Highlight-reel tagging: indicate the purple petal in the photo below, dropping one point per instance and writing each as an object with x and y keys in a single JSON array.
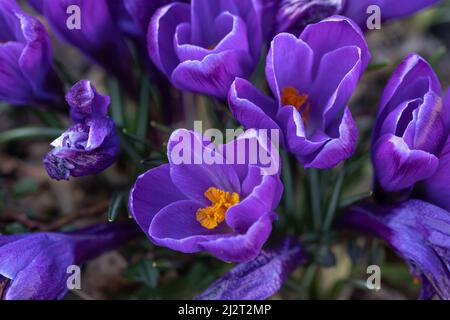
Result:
[
  {"x": 85, "y": 101},
  {"x": 91, "y": 144},
  {"x": 418, "y": 231},
  {"x": 214, "y": 74},
  {"x": 244, "y": 282},
  {"x": 14, "y": 88},
  {"x": 289, "y": 63},
  {"x": 251, "y": 107},
  {"x": 261, "y": 199},
  {"x": 336, "y": 79},
  {"x": 428, "y": 125},
  {"x": 294, "y": 15},
  {"x": 204, "y": 13},
  {"x": 176, "y": 227},
  {"x": 339, "y": 148},
  {"x": 333, "y": 33},
  {"x": 185, "y": 167},
  {"x": 296, "y": 136},
  {"x": 147, "y": 197},
  {"x": 161, "y": 30},
  {"x": 26, "y": 58},
  {"x": 398, "y": 167},
  {"x": 98, "y": 37},
  {"x": 412, "y": 79},
  {"x": 36, "y": 264},
  {"x": 242, "y": 247},
  {"x": 436, "y": 189}
]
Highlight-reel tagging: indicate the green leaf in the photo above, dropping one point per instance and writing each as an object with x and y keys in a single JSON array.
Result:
[
  {"x": 378, "y": 65},
  {"x": 47, "y": 118},
  {"x": 145, "y": 271},
  {"x": 29, "y": 133},
  {"x": 117, "y": 203},
  {"x": 325, "y": 257},
  {"x": 315, "y": 193},
  {"x": 334, "y": 201},
  {"x": 161, "y": 127},
  {"x": 24, "y": 187},
  {"x": 288, "y": 183},
  {"x": 437, "y": 56},
  {"x": 130, "y": 150},
  {"x": 135, "y": 138},
  {"x": 143, "y": 108},
  {"x": 354, "y": 198},
  {"x": 117, "y": 112},
  {"x": 64, "y": 73}
]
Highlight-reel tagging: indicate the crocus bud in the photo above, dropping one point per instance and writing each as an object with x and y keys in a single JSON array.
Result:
[{"x": 90, "y": 144}]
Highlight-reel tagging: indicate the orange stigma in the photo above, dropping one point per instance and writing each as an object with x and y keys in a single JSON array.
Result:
[
  {"x": 211, "y": 216},
  {"x": 211, "y": 47},
  {"x": 292, "y": 97},
  {"x": 416, "y": 281}
]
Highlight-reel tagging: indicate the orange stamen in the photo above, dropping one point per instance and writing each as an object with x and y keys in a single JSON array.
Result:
[
  {"x": 211, "y": 216},
  {"x": 292, "y": 97}
]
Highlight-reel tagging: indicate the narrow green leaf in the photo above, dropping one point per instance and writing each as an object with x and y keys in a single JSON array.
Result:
[
  {"x": 144, "y": 271},
  {"x": 315, "y": 193},
  {"x": 130, "y": 150},
  {"x": 354, "y": 198},
  {"x": 287, "y": 182},
  {"x": 47, "y": 118},
  {"x": 437, "y": 56},
  {"x": 378, "y": 65},
  {"x": 161, "y": 127},
  {"x": 117, "y": 112},
  {"x": 334, "y": 201},
  {"x": 143, "y": 108},
  {"x": 116, "y": 205},
  {"x": 135, "y": 137},
  {"x": 29, "y": 133},
  {"x": 24, "y": 186},
  {"x": 63, "y": 72}
]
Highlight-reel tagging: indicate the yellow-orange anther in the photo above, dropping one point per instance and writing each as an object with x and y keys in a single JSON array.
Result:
[
  {"x": 211, "y": 216},
  {"x": 292, "y": 97}
]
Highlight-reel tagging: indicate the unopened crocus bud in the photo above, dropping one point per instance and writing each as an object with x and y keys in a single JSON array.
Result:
[{"x": 90, "y": 144}]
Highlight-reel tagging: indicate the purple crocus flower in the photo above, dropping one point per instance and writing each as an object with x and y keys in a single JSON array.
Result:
[
  {"x": 244, "y": 282},
  {"x": 97, "y": 36},
  {"x": 220, "y": 207},
  {"x": 418, "y": 231},
  {"x": 90, "y": 145},
  {"x": 133, "y": 16},
  {"x": 26, "y": 58},
  {"x": 312, "y": 78},
  {"x": 294, "y": 15},
  {"x": 411, "y": 136},
  {"x": 203, "y": 46},
  {"x": 34, "y": 266}
]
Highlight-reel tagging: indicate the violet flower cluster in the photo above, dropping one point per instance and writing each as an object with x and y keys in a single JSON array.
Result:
[{"x": 410, "y": 160}]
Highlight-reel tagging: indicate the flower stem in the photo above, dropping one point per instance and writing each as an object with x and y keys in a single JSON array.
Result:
[{"x": 314, "y": 190}]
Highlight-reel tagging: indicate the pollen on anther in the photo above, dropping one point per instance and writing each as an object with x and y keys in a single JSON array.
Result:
[{"x": 211, "y": 216}]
